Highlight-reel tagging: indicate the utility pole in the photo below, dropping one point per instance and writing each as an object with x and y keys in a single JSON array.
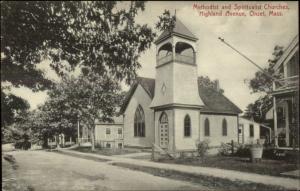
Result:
[{"x": 78, "y": 130}]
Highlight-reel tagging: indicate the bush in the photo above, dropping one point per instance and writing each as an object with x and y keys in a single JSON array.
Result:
[
  {"x": 269, "y": 154},
  {"x": 24, "y": 144},
  {"x": 202, "y": 148},
  {"x": 225, "y": 149},
  {"x": 292, "y": 156},
  {"x": 288, "y": 156},
  {"x": 243, "y": 151}
]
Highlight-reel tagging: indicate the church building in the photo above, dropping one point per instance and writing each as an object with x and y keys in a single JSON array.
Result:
[{"x": 175, "y": 110}]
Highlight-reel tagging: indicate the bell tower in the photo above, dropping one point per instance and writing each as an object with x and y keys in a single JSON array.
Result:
[{"x": 176, "y": 83}]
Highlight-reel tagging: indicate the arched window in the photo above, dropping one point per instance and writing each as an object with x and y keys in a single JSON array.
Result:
[
  {"x": 224, "y": 127},
  {"x": 206, "y": 127},
  {"x": 164, "y": 54},
  {"x": 139, "y": 122},
  {"x": 184, "y": 53},
  {"x": 187, "y": 126},
  {"x": 163, "y": 118}
]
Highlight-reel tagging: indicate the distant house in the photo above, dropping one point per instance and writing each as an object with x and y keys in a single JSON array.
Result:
[
  {"x": 109, "y": 135},
  {"x": 175, "y": 110},
  {"x": 285, "y": 110},
  {"x": 249, "y": 131}
]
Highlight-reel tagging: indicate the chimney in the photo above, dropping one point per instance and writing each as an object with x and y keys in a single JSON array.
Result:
[{"x": 217, "y": 85}]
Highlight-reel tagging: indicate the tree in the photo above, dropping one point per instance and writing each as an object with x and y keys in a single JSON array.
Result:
[
  {"x": 95, "y": 36},
  {"x": 90, "y": 34},
  {"x": 261, "y": 82},
  {"x": 166, "y": 21},
  {"x": 258, "y": 109},
  {"x": 88, "y": 97},
  {"x": 207, "y": 82},
  {"x": 11, "y": 106},
  {"x": 100, "y": 100}
]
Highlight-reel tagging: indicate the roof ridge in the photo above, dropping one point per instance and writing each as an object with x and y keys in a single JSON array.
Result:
[{"x": 214, "y": 101}]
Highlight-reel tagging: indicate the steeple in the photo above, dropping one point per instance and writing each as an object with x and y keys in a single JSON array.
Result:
[{"x": 179, "y": 30}]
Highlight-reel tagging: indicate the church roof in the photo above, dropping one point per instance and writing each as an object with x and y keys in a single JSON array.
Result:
[
  {"x": 214, "y": 101},
  {"x": 180, "y": 30}
]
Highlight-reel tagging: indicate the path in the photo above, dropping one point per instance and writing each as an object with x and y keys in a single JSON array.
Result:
[
  {"x": 44, "y": 170},
  {"x": 288, "y": 183}
]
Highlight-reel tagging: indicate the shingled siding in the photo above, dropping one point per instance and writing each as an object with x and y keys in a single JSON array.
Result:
[
  {"x": 140, "y": 97},
  {"x": 215, "y": 122}
]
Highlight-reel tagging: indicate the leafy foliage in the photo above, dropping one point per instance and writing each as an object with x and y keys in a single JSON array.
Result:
[
  {"x": 261, "y": 82},
  {"x": 93, "y": 34},
  {"x": 11, "y": 106},
  {"x": 85, "y": 98},
  {"x": 202, "y": 148},
  {"x": 258, "y": 109},
  {"x": 166, "y": 21},
  {"x": 207, "y": 82}
]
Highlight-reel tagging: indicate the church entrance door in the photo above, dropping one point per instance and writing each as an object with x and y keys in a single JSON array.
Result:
[{"x": 163, "y": 131}]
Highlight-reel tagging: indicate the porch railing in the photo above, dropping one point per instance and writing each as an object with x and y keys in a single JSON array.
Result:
[
  {"x": 185, "y": 59},
  {"x": 165, "y": 59},
  {"x": 178, "y": 58},
  {"x": 286, "y": 83}
]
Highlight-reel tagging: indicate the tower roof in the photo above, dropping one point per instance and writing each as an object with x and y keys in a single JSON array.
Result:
[{"x": 179, "y": 30}]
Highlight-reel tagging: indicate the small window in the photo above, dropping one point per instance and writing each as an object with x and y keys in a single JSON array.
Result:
[
  {"x": 120, "y": 131},
  {"x": 187, "y": 126},
  {"x": 107, "y": 131},
  {"x": 206, "y": 127},
  {"x": 224, "y": 127},
  {"x": 120, "y": 145},
  {"x": 251, "y": 130},
  {"x": 107, "y": 145}
]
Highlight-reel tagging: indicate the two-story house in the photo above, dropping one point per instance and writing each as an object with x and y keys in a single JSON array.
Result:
[{"x": 285, "y": 110}]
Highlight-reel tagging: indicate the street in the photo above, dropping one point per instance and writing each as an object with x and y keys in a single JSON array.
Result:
[{"x": 44, "y": 170}]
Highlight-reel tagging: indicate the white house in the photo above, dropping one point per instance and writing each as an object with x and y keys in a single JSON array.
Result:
[
  {"x": 175, "y": 110},
  {"x": 109, "y": 135},
  {"x": 249, "y": 131}
]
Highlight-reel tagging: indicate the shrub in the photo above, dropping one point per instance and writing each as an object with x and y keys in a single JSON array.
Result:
[
  {"x": 269, "y": 154},
  {"x": 243, "y": 151},
  {"x": 292, "y": 156},
  {"x": 224, "y": 149},
  {"x": 202, "y": 148}
]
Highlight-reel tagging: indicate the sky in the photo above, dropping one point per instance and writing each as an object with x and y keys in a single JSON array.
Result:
[{"x": 255, "y": 36}]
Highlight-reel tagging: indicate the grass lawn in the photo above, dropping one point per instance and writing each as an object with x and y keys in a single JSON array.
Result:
[
  {"x": 213, "y": 183},
  {"x": 107, "y": 152},
  {"x": 267, "y": 167}
]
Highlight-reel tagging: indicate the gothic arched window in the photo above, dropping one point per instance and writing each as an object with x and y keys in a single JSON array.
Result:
[
  {"x": 187, "y": 126},
  {"x": 139, "y": 122},
  {"x": 224, "y": 127},
  {"x": 206, "y": 127}
]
